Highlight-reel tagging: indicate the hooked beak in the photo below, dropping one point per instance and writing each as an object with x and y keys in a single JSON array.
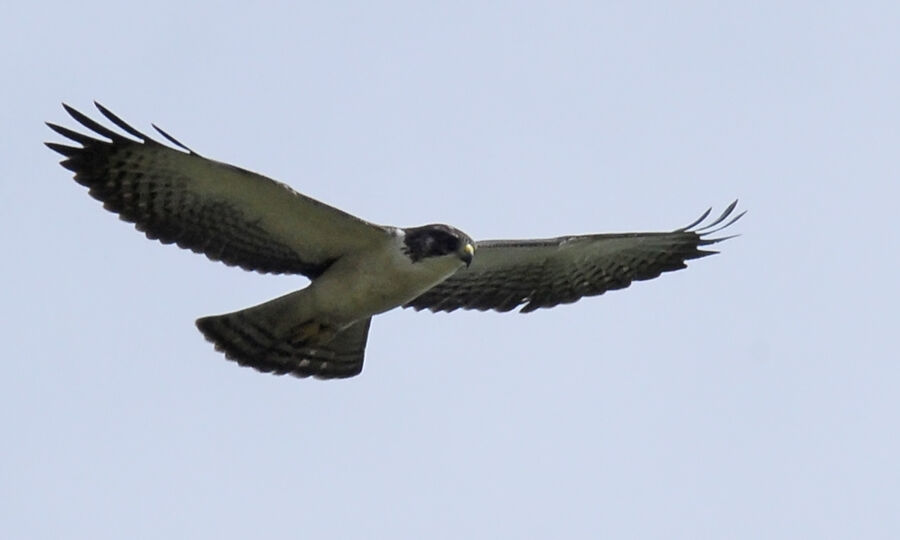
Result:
[{"x": 468, "y": 253}]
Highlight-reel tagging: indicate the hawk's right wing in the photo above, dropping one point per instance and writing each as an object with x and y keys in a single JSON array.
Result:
[
  {"x": 230, "y": 214},
  {"x": 544, "y": 273}
]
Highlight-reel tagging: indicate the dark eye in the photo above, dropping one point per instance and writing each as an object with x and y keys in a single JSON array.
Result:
[
  {"x": 440, "y": 242},
  {"x": 449, "y": 243}
]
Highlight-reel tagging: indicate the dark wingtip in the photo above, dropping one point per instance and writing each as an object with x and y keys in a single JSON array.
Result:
[
  {"x": 696, "y": 221},
  {"x": 80, "y": 138},
  {"x": 173, "y": 140},
  {"x": 709, "y": 241},
  {"x": 92, "y": 125},
  {"x": 108, "y": 133},
  {"x": 721, "y": 218},
  {"x": 67, "y": 151},
  {"x": 123, "y": 125},
  {"x": 720, "y": 223}
]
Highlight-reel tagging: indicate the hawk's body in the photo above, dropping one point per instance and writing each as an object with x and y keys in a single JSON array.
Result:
[{"x": 358, "y": 269}]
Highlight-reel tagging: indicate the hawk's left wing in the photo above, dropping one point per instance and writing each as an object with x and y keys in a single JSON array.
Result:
[
  {"x": 544, "y": 273},
  {"x": 225, "y": 212}
]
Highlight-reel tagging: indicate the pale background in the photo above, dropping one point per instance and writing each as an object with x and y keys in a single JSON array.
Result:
[{"x": 751, "y": 396}]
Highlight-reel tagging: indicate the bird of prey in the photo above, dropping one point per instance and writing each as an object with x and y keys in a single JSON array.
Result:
[{"x": 357, "y": 269}]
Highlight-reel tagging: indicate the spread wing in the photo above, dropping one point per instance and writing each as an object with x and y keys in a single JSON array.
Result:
[
  {"x": 227, "y": 213},
  {"x": 544, "y": 273}
]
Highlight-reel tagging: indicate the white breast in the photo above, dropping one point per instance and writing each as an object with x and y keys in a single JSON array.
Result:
[{"x": 377, "y": 280}]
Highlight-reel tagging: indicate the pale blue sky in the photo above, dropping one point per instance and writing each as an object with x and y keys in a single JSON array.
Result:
[{"x": 753, "y": 395}]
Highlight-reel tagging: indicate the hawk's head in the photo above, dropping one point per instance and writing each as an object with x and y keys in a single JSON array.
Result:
[{"x": 437, "y": 241}]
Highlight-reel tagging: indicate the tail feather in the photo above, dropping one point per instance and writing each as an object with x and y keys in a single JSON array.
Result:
[{"x": 247, "y": 340}]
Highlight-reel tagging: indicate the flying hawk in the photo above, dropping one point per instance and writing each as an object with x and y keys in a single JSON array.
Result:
[{"x": 357, "y": 269}]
